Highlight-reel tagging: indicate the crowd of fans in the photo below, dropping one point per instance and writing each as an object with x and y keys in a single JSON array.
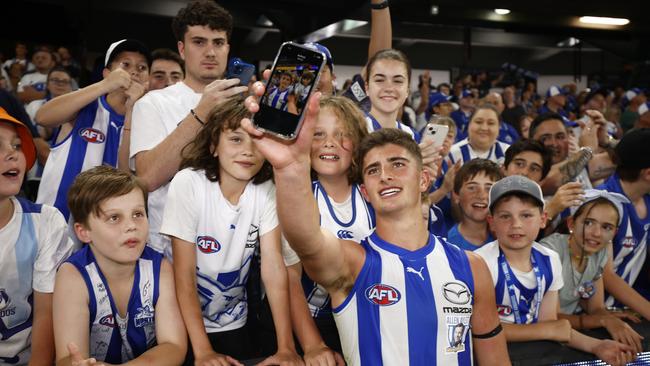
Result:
[{"x": 165, "y": 224}]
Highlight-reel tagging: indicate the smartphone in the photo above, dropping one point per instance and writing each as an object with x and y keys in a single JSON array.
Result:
[
  {"x": 436, "y": 133},
  {"x": 240, "y": 70},
  {"x": 279, "y": 113}
]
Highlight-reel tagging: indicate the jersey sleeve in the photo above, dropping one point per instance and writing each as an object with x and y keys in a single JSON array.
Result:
[
  {"x": 269, "y": 217},
  {"x": 556, "y": 267},
  {"x": 146, "y": 128},
  {"x": 288, "y": 254},
  {"x": 54, "y": 247},
  {"x": 180, "y": 218}
]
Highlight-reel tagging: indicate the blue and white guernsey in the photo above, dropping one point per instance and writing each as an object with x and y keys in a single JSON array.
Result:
[
  {"x": 353, "y": 220},
  {"x": 408, "y": 307},
  {"x": 278, "y": 99},
  {"x": 527, "y": 288},
  {"x": 114, "y": 339},
  {"x": 93, "y": 141},
  {"x": 630, "y": 243},
  {"x": 32, "y": 245},
  {"x": 373, "y": 125},
  {"x": 462, "y": 151}
]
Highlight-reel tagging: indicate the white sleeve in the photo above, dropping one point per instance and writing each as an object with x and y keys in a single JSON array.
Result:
[
  {"x": 556, "y": 267},
  {"x": 288, "y": 254},
  {"x": 269, "y": 218},
  {"x": 54, "y": 247},
  {"x": 21, "y": 84},
  {"x": 147, "y": 128},
  {"x": 180, "y": 218}
]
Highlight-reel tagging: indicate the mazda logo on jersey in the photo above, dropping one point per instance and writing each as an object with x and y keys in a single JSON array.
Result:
[
  {"x": 382, "y": 295},
  {"x": 456, "y": 293},
  {"x": 208, "y": 244},
  {"x": 92, "y": 135}
]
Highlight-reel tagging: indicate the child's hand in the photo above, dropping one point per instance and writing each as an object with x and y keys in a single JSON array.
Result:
[
  {"x": 614, "y": 353},
  {"x": 118, "y": 78},
  {"x": 78, "y": 360},
  {"x": 283, "y": 358},
  {"x": 216, "y": 359},
  {"x": 622, "y": 332},
  {"x": 323, "y": 355}
]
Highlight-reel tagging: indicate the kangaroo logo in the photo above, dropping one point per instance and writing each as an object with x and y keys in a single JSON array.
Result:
[{"x": 412, "y": 270}]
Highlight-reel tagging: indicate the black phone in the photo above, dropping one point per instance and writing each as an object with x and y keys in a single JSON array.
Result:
[
  {"x": 240, "y": 70},
  {"x": 280, "y": 113}
]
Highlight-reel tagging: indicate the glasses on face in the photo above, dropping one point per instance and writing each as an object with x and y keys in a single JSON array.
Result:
[
  {"x": 129, "y": 66},
  {"x": 61, "y": 82}
]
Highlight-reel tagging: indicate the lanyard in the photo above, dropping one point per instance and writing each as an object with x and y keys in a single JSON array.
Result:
[{"x": 514, "y": 301}]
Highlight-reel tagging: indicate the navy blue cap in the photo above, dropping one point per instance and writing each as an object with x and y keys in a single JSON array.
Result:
[{"x": 319, "y": 47}]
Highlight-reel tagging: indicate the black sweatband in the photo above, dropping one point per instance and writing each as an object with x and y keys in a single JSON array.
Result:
[
  {"x": 489, "y": 334},
  {"x": 382, "y": 5}
]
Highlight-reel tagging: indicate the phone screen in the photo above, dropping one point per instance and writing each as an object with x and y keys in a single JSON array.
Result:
[{"x": 295, "y": 73}]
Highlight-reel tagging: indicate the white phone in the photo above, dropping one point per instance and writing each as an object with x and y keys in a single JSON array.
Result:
[{"x": 436, "y": 133}]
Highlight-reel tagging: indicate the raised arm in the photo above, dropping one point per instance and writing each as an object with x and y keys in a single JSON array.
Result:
[
  {"x": 381, "y": 31},
  {"x": 326, "y": 259},
  {"x": 64, "y": 108},
  {"x": 489, "y": 345}
]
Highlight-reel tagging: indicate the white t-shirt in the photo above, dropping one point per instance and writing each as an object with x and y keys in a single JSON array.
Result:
[
  {"x": 32, "y": 246},
  {"x": 225, "y": 236},
  {"x": 551, "y": 270},
  {"x": 155, "y": 116},
  {"x": 35, "y": 79}
]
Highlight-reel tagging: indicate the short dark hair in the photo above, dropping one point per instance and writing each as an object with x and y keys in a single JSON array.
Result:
[
  {"x": 94, "y": 186},
  {"x": 202, "y": 12},
  {"x": 524, "y": 197},
  {"x": 541, "y": 119},
  {"x": 59, "y": 68},
  {"x": 384, "y": 137},
  {"x": 472, "y": 168},
  {"x": 167, "y": 54},
  {"x": 198, "y": 154},
  {"x": 389, "y": 54},
  {"x": 530, "y": 145}
]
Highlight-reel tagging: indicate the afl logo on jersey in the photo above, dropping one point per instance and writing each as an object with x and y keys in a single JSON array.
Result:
[
  {"x": 208, "y": 244},
  {"x": 504, "y": 310},
  {"x": 92, "y": 135},
  {"x": 108, "y": 320},
  {"x": 382, "y": 295},
  {"x": 345, "y": 234}
]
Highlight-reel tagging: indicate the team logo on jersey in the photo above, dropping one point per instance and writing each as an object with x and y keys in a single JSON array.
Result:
[
  {"x": 92, "y": 135},
  {"x": 5, "y": 304},
  {"x": 144, "y": 316},
  {"x": 208, "y": 244},
  {"x": 457, "y": 328},
  {"x": 345, "y": 234},
  {"x": 108, "y": 320},
  {"x": 628, "y": 242},
  {"x": 253, "y": 236},
  {"x": 383, "y": 295},
  {"x": 504, "y": 310},
  {"x": 456, "y": 293}
]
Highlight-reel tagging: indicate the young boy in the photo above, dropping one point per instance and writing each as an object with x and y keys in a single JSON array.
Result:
[
  {"x": 471, "y": 186},
  {"x": 90, "y": 120},
  {"x": 33, "y": 242},
  {"x": 527, "y": 276},
  {"x": 114, "y": 299}
]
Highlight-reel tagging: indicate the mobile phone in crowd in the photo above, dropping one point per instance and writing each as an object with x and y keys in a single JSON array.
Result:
[
  {"x": 280, "y": 113},
  {"x": 238, "y": 69},
  {"x": 435, "y": 133}
]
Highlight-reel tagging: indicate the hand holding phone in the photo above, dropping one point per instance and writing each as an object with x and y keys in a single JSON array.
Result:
[
  {"x": 278, "y": 114},
  {"x": 435, "y": 133},
  {"x": 238, "y": 69}
]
